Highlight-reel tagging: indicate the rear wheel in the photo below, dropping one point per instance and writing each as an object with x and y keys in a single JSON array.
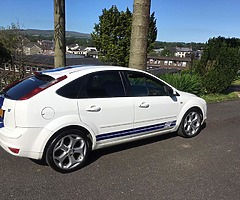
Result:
[
  {"x": 191, "y": 124},
  {"x": 68, "y": 151}
]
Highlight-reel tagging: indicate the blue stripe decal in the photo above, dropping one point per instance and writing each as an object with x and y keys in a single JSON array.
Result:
[
  {"x": 135, "y": 131},
  {"x": 1, "y": 118}
]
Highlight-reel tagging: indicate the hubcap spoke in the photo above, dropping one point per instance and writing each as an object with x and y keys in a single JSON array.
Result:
[
  {"x": 60, "y": 159},
  {"x": 62, "y": 146}
]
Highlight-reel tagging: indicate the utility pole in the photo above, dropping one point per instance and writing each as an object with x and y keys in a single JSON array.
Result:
[
  {"x": 139, "y": 34},
  {"x": 59, "y": 34}
]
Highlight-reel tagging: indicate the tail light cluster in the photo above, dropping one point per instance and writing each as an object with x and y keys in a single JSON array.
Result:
[{"x": 14, "y": 150}]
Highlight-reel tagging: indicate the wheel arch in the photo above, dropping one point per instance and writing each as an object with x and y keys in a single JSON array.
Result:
[
  {"x": 192, "y": 130},
  {"x": 49, "y": 132},
  {"x": 92, "y": 139},
  {"x": 187, "y": 108},
  {"x": 197, "y": 108}
]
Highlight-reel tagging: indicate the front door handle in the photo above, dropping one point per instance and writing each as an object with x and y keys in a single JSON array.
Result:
[
  {"x": 144, "y": 105},
  {"x": 93, "y": 108}
]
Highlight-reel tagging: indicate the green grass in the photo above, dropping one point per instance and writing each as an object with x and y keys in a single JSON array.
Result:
[
  {"x": 237, "y": 82},
  {"x": 220, "y": 97},
  {"x": 227, "y": 96}
]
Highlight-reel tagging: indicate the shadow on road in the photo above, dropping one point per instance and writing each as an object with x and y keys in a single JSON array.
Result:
[{"x": 95, "y": 155}]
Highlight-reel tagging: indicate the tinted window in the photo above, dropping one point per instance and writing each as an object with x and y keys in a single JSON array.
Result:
[
  {"x": 144, "y": 85},
  {"x": 103, "y": 84},
  {"x": 25, "y": 86},
  {"x": 72, "y": 89}
]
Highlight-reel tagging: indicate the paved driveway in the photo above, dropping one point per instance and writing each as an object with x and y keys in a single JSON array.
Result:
[{"x": 165, "y": 167}]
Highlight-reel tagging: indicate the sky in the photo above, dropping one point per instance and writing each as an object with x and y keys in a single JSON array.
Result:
[{"x": 177, "y": 21}]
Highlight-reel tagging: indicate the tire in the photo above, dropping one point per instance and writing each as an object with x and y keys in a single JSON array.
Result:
[
  {"x": 68, "y": 151},
  {"x": 191, "y": 124}
]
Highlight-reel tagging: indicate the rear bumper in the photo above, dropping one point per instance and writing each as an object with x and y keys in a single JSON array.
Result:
[{"x": 22, "y": 139}]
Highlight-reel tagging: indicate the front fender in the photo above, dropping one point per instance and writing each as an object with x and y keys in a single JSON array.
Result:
[{"x": 194, "y": 103}]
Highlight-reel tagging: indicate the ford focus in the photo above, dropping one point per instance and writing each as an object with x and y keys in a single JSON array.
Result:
[{"x": 61, "y": 115}]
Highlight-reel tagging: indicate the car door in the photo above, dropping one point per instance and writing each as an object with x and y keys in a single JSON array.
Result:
[
  {"x": 154, "y": 109},
  {"x": 103, "y": 106}
]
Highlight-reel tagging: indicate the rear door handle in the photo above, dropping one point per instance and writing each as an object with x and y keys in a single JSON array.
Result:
[
  {"x": 144, "y": 105},
  {"x": 93, "y": 108}
]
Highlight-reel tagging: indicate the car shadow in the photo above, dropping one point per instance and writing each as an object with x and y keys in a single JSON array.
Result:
[
  {"x": 39, "y": 162},
  {"x": 96, "y": 154}
]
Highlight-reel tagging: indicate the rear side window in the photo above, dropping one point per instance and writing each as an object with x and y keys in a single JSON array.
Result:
[
  {"x": 72, "y": 89},
  {"x": 25, "y": 86}
]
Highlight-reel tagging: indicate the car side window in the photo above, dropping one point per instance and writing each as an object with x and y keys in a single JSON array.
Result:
[
  {"x": 72, "y": 89},
  {"x": 103, "y": 84},
  {"x": 144, "y": 85}
]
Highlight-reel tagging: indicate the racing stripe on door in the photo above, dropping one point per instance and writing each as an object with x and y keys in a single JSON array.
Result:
[{"x": 137, "y": 131}]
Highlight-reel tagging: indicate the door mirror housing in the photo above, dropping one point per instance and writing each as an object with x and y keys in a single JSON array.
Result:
[{"x": 171, "y": 92}]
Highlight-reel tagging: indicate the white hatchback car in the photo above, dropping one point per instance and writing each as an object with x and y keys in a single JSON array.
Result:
[{"x": 60, "y": 115}]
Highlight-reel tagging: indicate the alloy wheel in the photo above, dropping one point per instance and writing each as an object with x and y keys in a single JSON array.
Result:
[{"x": 192, "y": 123}]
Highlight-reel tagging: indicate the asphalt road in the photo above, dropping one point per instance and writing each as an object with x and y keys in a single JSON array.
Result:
[{"x": 165, "y": 167}]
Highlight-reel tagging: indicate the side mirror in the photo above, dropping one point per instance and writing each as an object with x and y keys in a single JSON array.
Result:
[{"x": 171, "y": 92}]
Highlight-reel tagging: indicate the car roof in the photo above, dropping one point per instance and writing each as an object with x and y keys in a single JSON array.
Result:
[{"x": 61, "y": 71}]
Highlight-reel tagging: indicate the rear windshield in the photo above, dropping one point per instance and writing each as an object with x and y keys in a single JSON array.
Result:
[{"x": 25, "y": 86}]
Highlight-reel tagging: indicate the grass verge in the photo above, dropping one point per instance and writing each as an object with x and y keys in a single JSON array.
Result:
[
  {"x": 209, "y": 98},
  {"x": 237, "y": 82}
]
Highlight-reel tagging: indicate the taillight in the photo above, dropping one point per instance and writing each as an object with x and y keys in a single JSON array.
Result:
[
  {"x": 14, "y": 150},
  {"x": 43, "y": 87}
]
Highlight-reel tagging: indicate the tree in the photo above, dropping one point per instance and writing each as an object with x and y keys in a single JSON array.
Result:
[
  {"x": 5, "y": 55},
  {"x": 59, "y": 33},
  {"x": 111, "y": 36},
  {"x": 220, "y": 63},
  {"x": 13, "y": 41},
  {"x": 166, "y": 52},
  {"x": 139, "y": 34},
  {"x": 152, "y": 32}
]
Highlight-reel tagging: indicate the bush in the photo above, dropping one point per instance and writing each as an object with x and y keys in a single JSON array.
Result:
[
  {"x": 187, "y": 82},
  {"x": 219, "y": 64},
  {"x": 223, "y": 71}
]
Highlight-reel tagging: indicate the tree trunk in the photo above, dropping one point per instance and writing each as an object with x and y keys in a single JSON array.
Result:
[
  {"x": 59, "y": 34},
  {"x": 139, "y": 34}
]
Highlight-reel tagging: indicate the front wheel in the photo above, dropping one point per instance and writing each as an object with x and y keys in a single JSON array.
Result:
[
  {"x": 191, "y": 124},
  {"x": 68, "y": 151}
]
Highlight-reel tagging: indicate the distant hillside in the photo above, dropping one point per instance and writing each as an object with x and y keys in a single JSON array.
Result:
[{"x": 49, "y": 33}]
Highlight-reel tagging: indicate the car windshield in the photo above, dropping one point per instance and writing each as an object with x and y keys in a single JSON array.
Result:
[{"x": 23, "y": 87}]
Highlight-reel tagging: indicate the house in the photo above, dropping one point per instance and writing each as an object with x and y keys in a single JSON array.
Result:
[
  {"x": 168, "y": 62},
  {"x": 90, "y": 52},
  {"x": 74, "y": 49},
  {"x": 183, "y": 52},
  {"x": 32, "y": 48},
  {"x": 86, "y": 52},
  {"x": 46, "y": 43},
  {"x": 47, "y": 46},
  {"x": 158, "y": 50}
]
